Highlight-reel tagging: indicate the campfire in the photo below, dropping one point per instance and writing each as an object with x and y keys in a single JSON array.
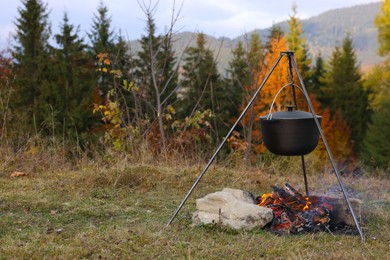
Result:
[
  {"x": 295, "y": 213},
  {"x": 284, "y": 211}
]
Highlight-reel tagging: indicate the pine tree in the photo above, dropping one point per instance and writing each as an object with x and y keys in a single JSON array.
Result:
[
  {"x": 201, "y": 84},
  {"x": 376, "y": 145},
  {"x": 343, "y": 90},
  {"x": 318, "y": 72},
  {"x": 73, "y": 81},
  {"x": 155, "y": 67},
  {"x": 239, "y": 77},
  {"x": 102, "y": 37},
  {"x": 155, "y": 73},
  {"x": 123, "y": 59},
  {"x": 199, "y": 73},
  {"x": 103, "y": 40},
  {"x": 297, "y": 43},
  {"x": 245, "y": 69},
  {"x": 31, "y": 53}
]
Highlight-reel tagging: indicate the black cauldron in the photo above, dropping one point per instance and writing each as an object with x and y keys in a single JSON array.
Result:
[{"x": 290, "y": 132}]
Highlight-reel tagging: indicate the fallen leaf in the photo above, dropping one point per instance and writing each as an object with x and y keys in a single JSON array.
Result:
[
  {"x": 53, "y": 211},
  {"x": 18, "y": 174}
]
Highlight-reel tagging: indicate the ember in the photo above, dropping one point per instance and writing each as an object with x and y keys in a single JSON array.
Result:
[{"x": 295, "y": 213}]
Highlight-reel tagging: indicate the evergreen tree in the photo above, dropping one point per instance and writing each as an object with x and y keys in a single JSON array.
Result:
[
  {"x": 343, "y": 90},
  {"x": 155, "y": 73},
  {"x": 254, "y": 56},
  {"x": 376, "y": 146},
  {"x": 202, "y": 88},
  {"x": 239, "y": 77},
  {"x": 199, "y": 74},
  {"x": 298, "y": 45},
  {"x": 73, "y": 82},
  {"x": 245, "y": 68},
  {"x": 318, "y": 72},
  {"x": 275, "y": 35},
  {"x": 31, "y": 53},
  {"x": 122, "y": 58},
  {"x": 102, "y": 37},
  {"x": 150, "y": 46},
  {"x": 333, "y": 73},
  {"x": 155, "y": 68}
]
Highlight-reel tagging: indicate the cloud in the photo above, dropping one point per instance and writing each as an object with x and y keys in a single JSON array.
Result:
[
  {"x": 6, "y": 36},
  {"x": 228, "y": 18}
]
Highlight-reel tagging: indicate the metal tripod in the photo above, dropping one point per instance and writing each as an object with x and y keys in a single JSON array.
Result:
[{"x": 292, "y": 64}]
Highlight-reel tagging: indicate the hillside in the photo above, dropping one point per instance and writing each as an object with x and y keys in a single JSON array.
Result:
[
  {"x": 322, "y": 32},
  {"x": 329, "y": 28}
]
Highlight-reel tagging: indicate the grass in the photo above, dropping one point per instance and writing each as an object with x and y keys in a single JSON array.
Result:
[{"x": 121, "y": 211}]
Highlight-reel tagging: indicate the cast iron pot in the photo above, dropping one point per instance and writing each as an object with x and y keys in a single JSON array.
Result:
[{"x": 290, "y": 132}]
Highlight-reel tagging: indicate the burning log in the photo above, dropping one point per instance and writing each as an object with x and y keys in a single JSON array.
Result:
[{"x": 295, "y": 213}]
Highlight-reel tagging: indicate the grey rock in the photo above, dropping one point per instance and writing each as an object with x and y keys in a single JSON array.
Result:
[
  {"x": 241, "y": 195},
  {"x": 233, "y": 208}
]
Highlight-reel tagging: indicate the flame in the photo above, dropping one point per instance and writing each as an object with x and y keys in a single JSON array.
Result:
[
  {"x": 308, "y": 203},
  {"x": 295, "y": 212},
  {"x": 264, "y": 198}
]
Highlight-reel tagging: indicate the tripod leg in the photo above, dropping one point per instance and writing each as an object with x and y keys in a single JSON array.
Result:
[
  {"x": 304, "y": 174},
  {"x": 328, "y": 151}
]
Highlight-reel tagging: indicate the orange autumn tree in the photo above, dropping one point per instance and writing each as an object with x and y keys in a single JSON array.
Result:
[
  {"x": 334, "y": 127},
  {"x": 336, "y": 131},
  {"x": 261, "y": 106}
]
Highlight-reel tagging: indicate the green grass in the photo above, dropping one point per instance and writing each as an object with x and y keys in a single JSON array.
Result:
[{"x": 122, "y": 211}]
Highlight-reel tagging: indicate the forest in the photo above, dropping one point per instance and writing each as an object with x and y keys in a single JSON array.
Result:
[{"x": 96, "y": 95}]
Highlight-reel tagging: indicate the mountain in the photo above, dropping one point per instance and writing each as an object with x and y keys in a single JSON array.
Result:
[{"x": 323, "y": 33}]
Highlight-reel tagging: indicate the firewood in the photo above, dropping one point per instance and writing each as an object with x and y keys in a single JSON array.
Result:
[{"x": 296, "y": 213}]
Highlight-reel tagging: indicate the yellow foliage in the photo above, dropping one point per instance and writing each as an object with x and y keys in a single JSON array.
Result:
[{"x": 277, "y": 80}]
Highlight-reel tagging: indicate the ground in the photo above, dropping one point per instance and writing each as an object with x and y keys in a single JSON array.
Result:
[{"x": 122, "y": 212}]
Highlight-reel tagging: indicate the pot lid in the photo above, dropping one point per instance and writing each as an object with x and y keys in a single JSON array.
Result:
[{"x": 289, "y": 114}]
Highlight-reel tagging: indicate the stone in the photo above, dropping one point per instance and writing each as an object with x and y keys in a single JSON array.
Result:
[
  {"x": 241, "y": 195},
  {"x": 341, "y": 212},
  {"x": 233, "y": 208}
]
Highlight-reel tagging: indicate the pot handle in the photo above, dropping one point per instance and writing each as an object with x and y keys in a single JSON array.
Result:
[{"x": 269, "y": 117}]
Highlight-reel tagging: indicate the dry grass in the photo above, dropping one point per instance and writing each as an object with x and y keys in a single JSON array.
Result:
[{"x": 120, "y": 210}]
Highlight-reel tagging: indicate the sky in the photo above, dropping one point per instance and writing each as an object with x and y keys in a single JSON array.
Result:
[{"x": 229, "y": 18}]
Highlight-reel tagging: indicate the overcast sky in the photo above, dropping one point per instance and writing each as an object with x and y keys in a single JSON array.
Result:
[{"x": 229, "y": 18}]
